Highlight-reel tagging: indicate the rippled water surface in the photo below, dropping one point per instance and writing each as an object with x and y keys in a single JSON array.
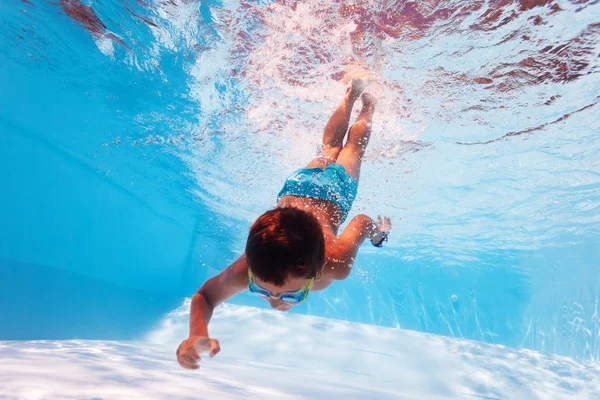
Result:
[{"x": 485, "y": 149}]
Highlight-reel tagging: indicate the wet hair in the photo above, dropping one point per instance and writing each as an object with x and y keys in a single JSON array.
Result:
[{"x": 285, "y": 241}]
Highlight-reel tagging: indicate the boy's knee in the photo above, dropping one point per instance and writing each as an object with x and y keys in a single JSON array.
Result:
[
  {"x": 361, "y": 130},
  {"x": 357, "y": 145},
  {"x": 332, "y": 149},
  {"x": 363, "y": 124}
]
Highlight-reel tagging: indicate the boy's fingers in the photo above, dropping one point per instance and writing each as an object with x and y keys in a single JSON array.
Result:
[
  {"x": 193, "y": 354},
  {"x": 188, "y": 354},
  {"x": 187, "y": 363},
  {"x": 202, "y": 345},
  {"x": 215, "y": 348},
  {"x": 190, "y": 359},
  {"x": 206, "y": 344}
]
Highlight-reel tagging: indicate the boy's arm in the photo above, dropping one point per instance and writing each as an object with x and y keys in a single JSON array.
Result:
[
  {"x": 216, "y": 290},
  {"x": 360, "y": 228}
]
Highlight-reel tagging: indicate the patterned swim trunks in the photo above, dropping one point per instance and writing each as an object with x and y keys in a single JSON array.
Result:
[{"x": 332, "y": 183}]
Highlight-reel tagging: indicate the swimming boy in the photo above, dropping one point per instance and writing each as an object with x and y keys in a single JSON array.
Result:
[{"x": 294, "y": 249}]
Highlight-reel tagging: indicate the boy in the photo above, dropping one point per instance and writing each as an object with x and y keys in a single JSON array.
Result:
[{"x": 294, "y": 249}]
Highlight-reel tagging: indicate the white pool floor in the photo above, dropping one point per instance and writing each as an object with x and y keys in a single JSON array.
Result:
[{"x": 270, "y": 355}]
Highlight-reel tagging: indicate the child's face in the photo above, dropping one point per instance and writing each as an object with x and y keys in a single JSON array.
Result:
[{"x": 291, "y": 284}]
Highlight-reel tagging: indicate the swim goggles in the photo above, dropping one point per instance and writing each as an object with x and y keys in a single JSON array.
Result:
[{"x": 295, "y": 297}]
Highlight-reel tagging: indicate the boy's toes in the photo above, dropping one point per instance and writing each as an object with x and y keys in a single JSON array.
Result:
[{"x": 359, "y": 85}]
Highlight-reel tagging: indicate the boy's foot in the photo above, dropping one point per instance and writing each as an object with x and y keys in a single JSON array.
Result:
[
  {"x": 358, "y": 86},
  {"x": 358, "y": 79},
  {"x": 368, "y": 100}
]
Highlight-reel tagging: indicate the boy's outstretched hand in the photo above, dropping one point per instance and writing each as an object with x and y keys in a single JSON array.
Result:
[
  {"x": 383, "y": 229},
  {"x": 188, "y": 352}
]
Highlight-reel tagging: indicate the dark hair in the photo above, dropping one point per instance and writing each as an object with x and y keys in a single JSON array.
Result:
[{"x": 285, "y": 241}]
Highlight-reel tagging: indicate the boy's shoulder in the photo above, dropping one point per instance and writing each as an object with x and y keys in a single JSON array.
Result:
[{"x": 338, "y": 263}]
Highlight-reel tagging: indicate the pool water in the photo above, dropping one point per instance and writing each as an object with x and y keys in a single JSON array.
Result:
[{"x": 140, "y": 139}]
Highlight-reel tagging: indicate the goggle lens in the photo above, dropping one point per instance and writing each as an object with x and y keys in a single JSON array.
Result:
[
  {"x": 288, "y": 297},
  {"x": 293, "y": 297},
  {"x": 257, "y": 290}
]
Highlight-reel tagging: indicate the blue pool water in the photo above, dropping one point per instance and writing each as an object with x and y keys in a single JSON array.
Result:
[{"x": 140, "y": 139}]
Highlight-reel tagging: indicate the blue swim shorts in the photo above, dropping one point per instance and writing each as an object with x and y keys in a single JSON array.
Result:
[{"x": 333, "y": 184}]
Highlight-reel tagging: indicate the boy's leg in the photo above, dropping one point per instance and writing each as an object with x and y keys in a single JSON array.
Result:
[
  {"x": 358, "y": 138},
  {"x": 337, "y": 126}
]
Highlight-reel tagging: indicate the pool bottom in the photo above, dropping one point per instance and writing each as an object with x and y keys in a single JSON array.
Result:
[{"x": 271, "y": 355}]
